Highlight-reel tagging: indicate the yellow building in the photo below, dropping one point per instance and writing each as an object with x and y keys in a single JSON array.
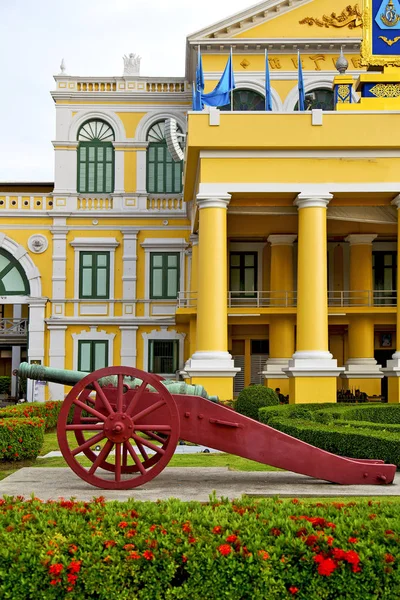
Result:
[{"x": 270, "y": 255}]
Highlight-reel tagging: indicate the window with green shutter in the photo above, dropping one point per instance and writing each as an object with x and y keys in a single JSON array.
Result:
[
  {"x": 95, "y": 158},
  {"x": 164, "y": 275},
  {"x": 94, "y": 275},
  {"x": 92, "y": 355},
  {"x": 163, "y": 356},
  {"x": 164, "y": 176},
  {"x": 13, "y": 281}
]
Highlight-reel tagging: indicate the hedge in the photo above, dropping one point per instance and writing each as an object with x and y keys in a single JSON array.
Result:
[
  {"x": 21, "y": 438},
  {"x": 381, "y": 413},
  {"x": 48, "y": 411},
  {"x": 246, "y": 549},
  {"x": 252, "y": 398},
  {"x": 348, "y": 441}
]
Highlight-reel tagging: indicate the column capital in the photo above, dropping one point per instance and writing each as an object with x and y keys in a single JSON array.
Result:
[
  {"x": 281, "y": 240},
  {"x": 194, "y": 239},
  {"x": 396, "y": 201},
  {"x": 213, "y": 200},
  {"x": 313, "y": 199},
  {"x": 361, "y": 239}
]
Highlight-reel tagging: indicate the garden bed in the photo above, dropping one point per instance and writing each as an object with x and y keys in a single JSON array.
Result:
[{"x": 247, "y": 550}]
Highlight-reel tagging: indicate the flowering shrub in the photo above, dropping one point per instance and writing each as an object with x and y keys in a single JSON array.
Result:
[
  {"x": 252, "y": 550},
  {"x": 21, "y": 438},
  {"x": 48, "y": 411}
]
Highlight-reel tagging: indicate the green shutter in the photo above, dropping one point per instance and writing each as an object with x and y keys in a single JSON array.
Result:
[
  {"x": 94, "y": 275},
  {"x": 92, "y": 355},
  {"x": 95, "y": 167},
  {"x": 164, "y": 275},
  {"x": 164, "y": 176}
]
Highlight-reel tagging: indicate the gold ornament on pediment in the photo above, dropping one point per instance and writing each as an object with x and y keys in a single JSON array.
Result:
[
  {"x": 386, "y": 90},
  {"x": 350, "y": 17},
  {"x": 245, "y": 63}
]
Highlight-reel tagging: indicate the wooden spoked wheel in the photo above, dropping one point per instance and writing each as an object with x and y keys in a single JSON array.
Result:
[{"x": 136, "y": 429}]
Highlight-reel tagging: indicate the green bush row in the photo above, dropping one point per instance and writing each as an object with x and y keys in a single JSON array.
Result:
[
  {"x": 21, "y": 438},
  {"x": 247, "y": 550},
  {"x": 48, "y": 411},
  {"x": 354, "y": 442},
  {"x": 381, "y": 413}
]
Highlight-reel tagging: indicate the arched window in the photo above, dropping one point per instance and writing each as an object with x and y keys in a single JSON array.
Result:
[
  {"x": 13, "y": 281},
  {"x": 246, "y": 100},
  {"x": 95, "y": 158},
  {"x": 319, "y": 98},
  {"x": 164, "y": 176}
]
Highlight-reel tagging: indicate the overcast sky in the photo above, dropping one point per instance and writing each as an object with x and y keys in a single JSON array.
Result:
[{"x": 91, "y": 36}]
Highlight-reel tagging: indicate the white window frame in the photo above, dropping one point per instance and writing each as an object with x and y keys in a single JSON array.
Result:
[
  {"x": 93, "y": 336},
  {"x": 163, "y": 334}
]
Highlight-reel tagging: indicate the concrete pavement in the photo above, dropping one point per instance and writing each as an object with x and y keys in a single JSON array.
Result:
[{"x": 186, "y": 484}]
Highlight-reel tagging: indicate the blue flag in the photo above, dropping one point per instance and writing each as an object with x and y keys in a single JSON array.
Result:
[
  {"x": 302, "y": 96},
  {"x": 268, "y": 96},
  {"x": 198, "y": 86},
  {"x": 220, "y": 96}
]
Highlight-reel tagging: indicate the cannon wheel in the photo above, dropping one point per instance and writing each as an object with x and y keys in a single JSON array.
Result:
[{"x": 117, "y": 427}]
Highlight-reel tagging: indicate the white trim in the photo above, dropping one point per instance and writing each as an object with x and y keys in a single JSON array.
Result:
[
  {"x": 281, "y": 239},
  {"x": 162, "y": 245},
  {"x": 163, "y": 334},
  {"x": 320, "y": 154},
  {"x": 128, "y": 345},
  {"x": 361, "y": 239},
  {"x": 257, "y": 86},
  {"x": 153, "y": 117},
  {"x": 93, "y": 335},
  {"x": 213, "y": 200},
  {"x": 307, "y": 200},
  {"x": 129, "y": 261},
  {"x": 56, "y": 358},
  {"x": 21, "y": 255},
  {"x": 94, "y": 245},
  {"x": 311, "y": 188},
  {"x": 105, "y": 114}
]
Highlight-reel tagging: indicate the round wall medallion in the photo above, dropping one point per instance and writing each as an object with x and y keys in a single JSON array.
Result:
[{"x": 38, "y": 243}]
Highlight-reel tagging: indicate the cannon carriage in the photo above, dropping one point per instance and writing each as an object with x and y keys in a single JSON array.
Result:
[{"x": 137, "y": 419}]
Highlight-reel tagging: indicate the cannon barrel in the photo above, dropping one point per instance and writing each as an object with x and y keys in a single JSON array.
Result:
[{"x": 41, "y": 373}]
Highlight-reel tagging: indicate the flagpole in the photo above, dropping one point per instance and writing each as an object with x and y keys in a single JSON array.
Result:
[
  {"x": 231, "y": 90},
  {"x": 266, "y": 101}
]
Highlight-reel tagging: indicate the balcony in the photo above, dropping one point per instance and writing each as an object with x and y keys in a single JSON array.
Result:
[
  {"x": 13, "y": 331},
  {"x": 284, "y": 299}
]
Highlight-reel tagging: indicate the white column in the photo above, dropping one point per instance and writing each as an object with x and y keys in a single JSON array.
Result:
[
  {"x": 59, "y": 275},
  {"x": 57, "y": 358},
  {"x": 141, "y": 176},
  {"x": 36, "y": 344},
  {"x": 119, "y": 172},
  {"x": 128, "y": 345},
  {"x": 129, "y": 277}
]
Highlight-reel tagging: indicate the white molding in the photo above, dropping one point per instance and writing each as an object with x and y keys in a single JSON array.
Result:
[
  {"x": 154, "y": 116},
  {"x": 129, "y": 261},
  {"x": 281, "y": 239},
  {"x": 93, "y": 335},
  {"x": 361, "y": 239},
  {"x": 162, "y": 245},
  {"x": 56, "y": 358},
  {"x": 105, "y": 114},
  {"x": 163, "y": 334},
  {"x": 213, "y": 200},
  {"x": 311, "y": 188},
  {"x": 307, "y": 200},
  {"x": 21, "y": 255},
  {"x": 246, "y": 82},
  {"x": 37, "y": 307},
  {"x": 320, "y": 154},
  {"x": 94, "y": 245},
  {"x": 128, "y": 345}
]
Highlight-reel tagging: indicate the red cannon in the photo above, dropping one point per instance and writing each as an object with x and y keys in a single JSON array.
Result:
[{"x": 137, "y": 423}]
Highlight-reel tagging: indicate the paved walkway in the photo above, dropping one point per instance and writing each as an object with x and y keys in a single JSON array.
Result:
[
  {"x": 180, "y": 449},
  {"x": 187, "y": 484}
]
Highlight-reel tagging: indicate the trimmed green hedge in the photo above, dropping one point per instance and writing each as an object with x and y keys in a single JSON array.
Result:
[
  {"x": 247, "y": 550},
  {"x": 21, "y": 438},
  {"x": 48, "y": 411},
  {"x": 252, "y": 398}
]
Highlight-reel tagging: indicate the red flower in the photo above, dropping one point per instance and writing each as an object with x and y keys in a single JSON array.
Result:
[
  {"x": 56, "y": 569},
  {"x": 329, "y": 540},
  {"x": 72, "y": 578},
  {"x": 54, "y": 581},
  {"x": 355, "y": 568},
  {"x": 311, "y": 540},
  {"x": 191, "y": 540},
  {"x": 123, "y": 524},
  {"x": 75, "y": 566},
  {"x": 352, "y": 557},
  {"x": 352, "y": 540},
  {"x": 110, "y": 544},
  {"x": 389, "y": 532},
  {"x": 134, "y": 555},
  {"x": 231, "y": 539},
  {"x": 153, "y": 527},
  {"x": 372, "y": 517},
  {"x": 301, "y": 532},
  {"x": 186, "y": 527},
  {"x": 293, "y": 590},
  {"x": 224, "y": 549},
  {"x": 295, "y": 501},
  {"x": 129, "y": 546},
  {"x": 72, "y": 549},
  {"x": 130, "y": 533},
  {"x": 148, "y": 555},
  {"x": 184, "y": 558},
  {"x": 276, "y": 532},
  {"x": 326, "y": 567},
  {"x": 134, "y": 514},
  {"x": 217, "y": 529},
  {"x": 339, "y": 554},
  {"x": 263, "y": 554},
  {"x": 389, "y": 558}
]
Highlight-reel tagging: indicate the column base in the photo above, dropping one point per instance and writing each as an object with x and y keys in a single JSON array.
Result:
[
  {"x": 274, "y": 375},
  {"x": 392, "y": 372},
  {"x": 214, "y": 371},
  {"x": 312, "y": 378},
  {"x": 363, "y": 374}
]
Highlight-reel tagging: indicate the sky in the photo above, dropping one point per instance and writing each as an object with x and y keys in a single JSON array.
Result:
[{"x": 92, "y": 36}]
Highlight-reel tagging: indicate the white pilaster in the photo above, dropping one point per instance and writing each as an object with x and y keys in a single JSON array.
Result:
[
  {"x": 59, "y": 257},
  {"x": 57, "y": 358},
  {"x": 141, "y": 174},
  {"x": 119, "y": 172},
  {"x": 129, "y": 276},
  {"x": 36, "y": 344},
  {"x": 128, "y": 345}
]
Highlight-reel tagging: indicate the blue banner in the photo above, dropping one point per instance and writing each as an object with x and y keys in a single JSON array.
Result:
[
  {"x": 386, "y": 27},
  {"x": 221, "y": 94}
]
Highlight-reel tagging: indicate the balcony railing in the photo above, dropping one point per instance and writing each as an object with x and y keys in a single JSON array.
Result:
[
  {"x": 284, "y": 299},
  {"x": 13, "y": 327}
]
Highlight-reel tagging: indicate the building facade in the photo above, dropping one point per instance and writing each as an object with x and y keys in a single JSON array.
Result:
[{"x": 268, "y": 255}]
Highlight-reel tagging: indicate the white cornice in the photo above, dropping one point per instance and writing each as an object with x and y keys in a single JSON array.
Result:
[{"x": 142, "y": 97}]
